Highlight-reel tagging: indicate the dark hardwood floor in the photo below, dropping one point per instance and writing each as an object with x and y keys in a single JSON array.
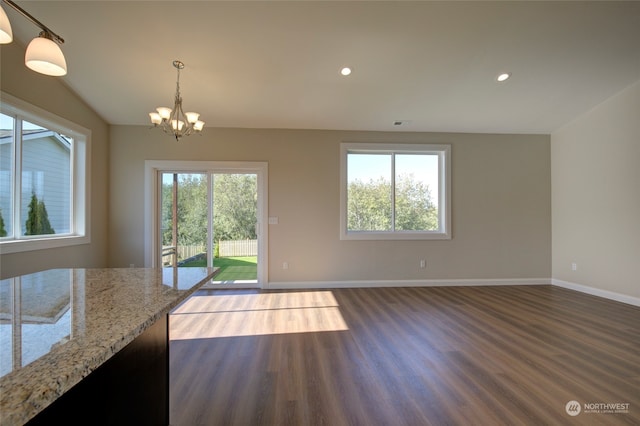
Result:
[{"x": 404, "y": 356}]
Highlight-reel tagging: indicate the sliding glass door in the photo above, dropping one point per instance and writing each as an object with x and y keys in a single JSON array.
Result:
[
  {"x": 235, "y": 227},
  {"x": 211, "y": 217},
  {"x": 184, "y": 219}
]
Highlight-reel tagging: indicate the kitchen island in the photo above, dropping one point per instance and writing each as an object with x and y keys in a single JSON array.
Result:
[{"x": 89, "y": 345}]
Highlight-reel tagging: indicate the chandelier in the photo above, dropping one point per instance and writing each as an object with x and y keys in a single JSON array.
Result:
[{"x": 177, "y": 122}]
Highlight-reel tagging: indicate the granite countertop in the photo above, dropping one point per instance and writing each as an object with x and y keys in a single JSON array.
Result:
[{"x": 57, "y": 326}]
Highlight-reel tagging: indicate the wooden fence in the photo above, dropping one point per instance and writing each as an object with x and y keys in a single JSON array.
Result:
[
  {"x": 184, "y": 252},
  {"x": 227, "y": 249},
  {"x": 238, "y": 248}
]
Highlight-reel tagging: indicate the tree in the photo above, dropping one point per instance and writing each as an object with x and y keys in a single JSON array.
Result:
[
  {"x": 3, "y": 231},
  {"x": 192, "y": 211},
  {"x": 415, "y": 210},
  {"x": 38, "y": 218},
  {"x": 370, "y": 205},
  {"x": 235, "y": 206}
]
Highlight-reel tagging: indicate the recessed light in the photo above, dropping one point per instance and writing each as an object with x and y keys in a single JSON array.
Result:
[
  {"x": 503, "y": 77},
  {"x": 345, "y": 71}
]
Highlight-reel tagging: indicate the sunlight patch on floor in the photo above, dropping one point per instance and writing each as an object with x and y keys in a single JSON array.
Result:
[{"x": 210, "y": 316}]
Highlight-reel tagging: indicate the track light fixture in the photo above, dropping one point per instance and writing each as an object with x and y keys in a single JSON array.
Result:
[{"x": 43, "y": 54}]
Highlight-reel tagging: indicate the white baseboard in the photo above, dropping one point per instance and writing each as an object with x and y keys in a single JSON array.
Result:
[
  {"x": 292, "y": 285},
  {"x": 618, "y": 297},
  {"x": 405, "y": 283}
]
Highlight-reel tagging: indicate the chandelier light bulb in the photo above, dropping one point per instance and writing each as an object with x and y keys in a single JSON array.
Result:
[
  {"x": 155, "y": 118},
  {"x": 192, "y": 117},
  {"x": 198, "y": 125},
  {"x": 177, "y": 124},
  {"x": 164, "y": 112}
]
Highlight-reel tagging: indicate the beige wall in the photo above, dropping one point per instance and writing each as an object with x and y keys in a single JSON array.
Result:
[
  {"x": 501, "y": 197},
  {"x": 596, "y": 196},
  {"x": 501, "y": 203},
  {"x": 52, "y": 95}
]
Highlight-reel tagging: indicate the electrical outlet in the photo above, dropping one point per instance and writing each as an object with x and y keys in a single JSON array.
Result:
[
  {"x": 423, "y": 263},
  {"x": 285, "y": 265},
  {"x": 574, "y": 266}
]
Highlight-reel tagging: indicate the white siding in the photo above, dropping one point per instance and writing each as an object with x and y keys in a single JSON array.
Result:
[
  {"x": 46, "y": 170},
  {"x": 5, "y": 184}
]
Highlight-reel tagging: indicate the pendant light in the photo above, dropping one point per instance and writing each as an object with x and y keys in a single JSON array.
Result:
[{"x": 43, "y": 54}]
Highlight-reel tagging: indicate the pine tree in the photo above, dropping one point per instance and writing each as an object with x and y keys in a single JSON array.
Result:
[
  {"x": 3, "y": 232},
  {"x": 38, "y": 218}
]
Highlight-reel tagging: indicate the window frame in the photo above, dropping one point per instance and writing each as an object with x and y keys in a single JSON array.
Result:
[
  {"x": 80, "y": 178},
  {"x": 444, "y": 190}
]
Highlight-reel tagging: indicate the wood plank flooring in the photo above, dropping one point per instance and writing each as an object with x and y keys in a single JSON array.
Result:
[{"x": 403, "y": 356}]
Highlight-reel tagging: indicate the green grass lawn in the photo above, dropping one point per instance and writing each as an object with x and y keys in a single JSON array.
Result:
[{"x": 232, "y": 268}]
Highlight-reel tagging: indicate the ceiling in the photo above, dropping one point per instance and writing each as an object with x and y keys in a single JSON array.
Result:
[{"x": 271, "y": 64}]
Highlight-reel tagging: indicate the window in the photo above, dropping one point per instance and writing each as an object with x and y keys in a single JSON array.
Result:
[
  {"x": 43, "y": 179},
  {"x": 395, "y": 192}
]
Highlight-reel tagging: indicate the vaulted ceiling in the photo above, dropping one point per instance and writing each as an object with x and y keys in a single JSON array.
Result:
[{"x": 266, "y": 64}]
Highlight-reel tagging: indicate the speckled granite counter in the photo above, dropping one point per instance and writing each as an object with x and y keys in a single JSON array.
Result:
[{"x": 57, "y": 326}]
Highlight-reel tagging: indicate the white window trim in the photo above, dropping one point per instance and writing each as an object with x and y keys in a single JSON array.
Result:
[
  {"x": 444, "y": 191},
  {"x": 80, "y": 171}
]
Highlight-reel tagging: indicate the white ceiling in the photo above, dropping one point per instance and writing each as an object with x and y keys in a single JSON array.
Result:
[{"x": 276, "y": 64}]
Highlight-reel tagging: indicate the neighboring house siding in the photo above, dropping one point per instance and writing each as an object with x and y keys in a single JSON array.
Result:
[
  {"x": 46, "y": 171},
  {"x": 5, "y": 182}
]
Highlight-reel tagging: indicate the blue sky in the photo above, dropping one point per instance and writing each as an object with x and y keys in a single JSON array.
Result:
[
  {"x": 373, "y": 166},
  {"x": 6, "y": 122}
]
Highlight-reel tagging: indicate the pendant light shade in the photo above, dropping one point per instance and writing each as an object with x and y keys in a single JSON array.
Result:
[
  {"x": 6, "y": 35},
  {"x": 44, "y": 56}
]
